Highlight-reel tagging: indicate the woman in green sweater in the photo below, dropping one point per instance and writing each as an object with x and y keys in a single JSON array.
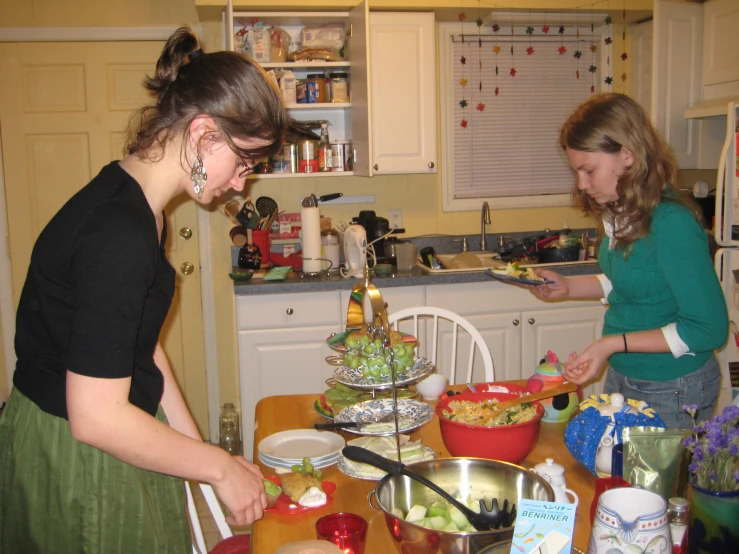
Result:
[{"x": 666, "y": 310}]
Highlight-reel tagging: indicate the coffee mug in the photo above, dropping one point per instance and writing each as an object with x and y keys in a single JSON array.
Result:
[{"x": 630, "y": 516}]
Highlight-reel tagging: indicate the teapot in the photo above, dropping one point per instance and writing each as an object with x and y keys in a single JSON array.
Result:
[
  {"x": 604, "y": 453},
  {"x": 554, "y": 475},
  {"x": 549, "y": 375}
]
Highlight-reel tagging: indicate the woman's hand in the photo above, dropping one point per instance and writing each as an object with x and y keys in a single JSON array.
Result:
[
  {"x": 587, "y": 366},
  {"x": 242, "y": 491},
  {"x": 558, "y": 288}
]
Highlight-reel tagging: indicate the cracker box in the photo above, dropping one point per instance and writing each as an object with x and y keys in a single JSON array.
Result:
[{"x": 543, "y": 527}]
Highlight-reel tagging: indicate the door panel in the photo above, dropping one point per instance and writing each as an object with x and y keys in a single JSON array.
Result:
[{"x": 64, "y": 109}]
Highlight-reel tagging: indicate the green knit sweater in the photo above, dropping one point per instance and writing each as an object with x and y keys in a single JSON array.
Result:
[{"x": 668, "y": 277}]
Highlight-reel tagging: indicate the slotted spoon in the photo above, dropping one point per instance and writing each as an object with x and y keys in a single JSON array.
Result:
[{"x": 486, "y": 520}]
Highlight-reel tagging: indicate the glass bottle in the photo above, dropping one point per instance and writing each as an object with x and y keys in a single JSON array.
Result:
[
  {"x": 325, "y": 162},
  {"x": 229, "y": 425},
  {"x": 677, "y": 515}
]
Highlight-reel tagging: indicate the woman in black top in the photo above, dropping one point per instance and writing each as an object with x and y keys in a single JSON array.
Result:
[{"x": 88, "y": 462}]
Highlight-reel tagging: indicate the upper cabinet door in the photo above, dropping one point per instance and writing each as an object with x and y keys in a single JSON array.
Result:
[
  {"x": 358, "y": 49},
  {"x": 676, "y": 85},
  {"x": 403, "y": 92},
  {"x": 721, "y": 51},
  {"x": 640, "y": 81}
]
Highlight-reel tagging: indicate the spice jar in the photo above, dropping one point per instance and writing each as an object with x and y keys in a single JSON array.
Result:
[
  {"x": 677, "y": 515},
  {"x": 339, "y": 87},
  {"x": 319, "y": 81}
]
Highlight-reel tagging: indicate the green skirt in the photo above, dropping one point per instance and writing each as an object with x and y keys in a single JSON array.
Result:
[{"x": 59, "y": 495}]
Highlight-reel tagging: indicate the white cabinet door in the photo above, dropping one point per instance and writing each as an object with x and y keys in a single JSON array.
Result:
[
  {"x": 358, "y": 50},
  {"x": 280, "y": 361},
  {"x": 676, "y": 82},
  {"x": 640, "y": 80},
  {"x": 721, "y": 46},
  {"x": 403, "y": 92},
  {"x": 562, "y": 331}
]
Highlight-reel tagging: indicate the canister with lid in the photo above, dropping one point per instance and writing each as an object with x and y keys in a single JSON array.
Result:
[
  {"x": 307, "y": 156},
  {"x": 331, "y": 249},
  {"x": 341, "y": 155},
  {"x": 339, "y": 87}
]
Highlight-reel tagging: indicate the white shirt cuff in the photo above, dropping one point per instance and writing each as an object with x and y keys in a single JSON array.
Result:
[
  {"x": 607, "y": 287},
  {"x": 676, "y": 344}
]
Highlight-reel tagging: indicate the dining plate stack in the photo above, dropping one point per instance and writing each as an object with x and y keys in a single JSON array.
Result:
[{"x": 285, "y": 449}]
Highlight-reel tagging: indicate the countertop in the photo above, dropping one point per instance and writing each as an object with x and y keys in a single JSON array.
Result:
[{"x": 415, "y": 277}]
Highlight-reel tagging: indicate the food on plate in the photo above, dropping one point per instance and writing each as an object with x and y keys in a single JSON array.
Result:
[
  {"x": 374, "y": 360},
  {"x": 410, "y": 451},
  {"x": 303, "y": 489},
  {"x": 341, "y": 396},
  {"x": 273, "y": 492},
  {"x": 478, "y": 413},
  {"x": 514, "y": 270},
  {"x": 440, "y": 515}
]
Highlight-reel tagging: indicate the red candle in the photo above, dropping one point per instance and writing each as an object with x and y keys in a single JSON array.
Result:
[{"x": 345, "y": 530}]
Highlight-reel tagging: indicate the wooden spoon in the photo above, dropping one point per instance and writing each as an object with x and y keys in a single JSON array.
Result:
[{"x": 554, "y": 391}]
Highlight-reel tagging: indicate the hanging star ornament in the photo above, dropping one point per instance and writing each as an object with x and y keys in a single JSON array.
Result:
[
  {"x": 496, "y": 27},
  {"x": 463, "y": 124},
  {"x": 608, "y": 20},
  {"x": 463, "y": 103},
  {"x": 593, "y": 68},
  {"x": 593, "y": 48},
  {"x": 561, "y": 30},
  {"x": 463, "y": 60},
  {"x": 624, "y": 56},
  {"x": 513, "y": 72},
  {"x": 577, "y": 73},
  {"x": 545, "y": 29},
  {"x": 562, "y": 50},
  {"x": 497, "y": 91},
  {"x": 478, "y": 22},
  {"x": 608, "y": 40},
  {"x": 577, "y": 54},
  {"x": 496, "y": 49},
  {"x": 462, "y": 16},
  {"x": 608, "y": 80},
  {"x": 592, "y": 89},
  {"x": 481, "y": 107},
  {"x": 496, "y": 69},
  {"x": 529, "y": 30},
  {"x": 623, "y": 76},
  {"x": 530, "y": 51},
  {"x": 463, "y": 82}
]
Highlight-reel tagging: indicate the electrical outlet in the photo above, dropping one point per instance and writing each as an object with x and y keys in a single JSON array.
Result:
[{"x": 395, "y": 217}]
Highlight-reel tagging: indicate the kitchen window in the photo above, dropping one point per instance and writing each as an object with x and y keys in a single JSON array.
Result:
[{"x": 503, "y": 148}]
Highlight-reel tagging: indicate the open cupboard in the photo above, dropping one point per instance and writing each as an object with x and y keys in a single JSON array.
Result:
[{"x": 390, "y": 118}]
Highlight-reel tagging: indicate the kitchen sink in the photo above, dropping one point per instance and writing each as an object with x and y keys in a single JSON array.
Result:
[{"x": 469, "y": 262}]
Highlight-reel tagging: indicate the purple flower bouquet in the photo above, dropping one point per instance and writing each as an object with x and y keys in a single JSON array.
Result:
[{"x": 715, "y": 447}]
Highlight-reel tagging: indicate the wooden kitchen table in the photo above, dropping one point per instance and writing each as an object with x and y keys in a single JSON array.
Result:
[{"x": 282, "y": 413}]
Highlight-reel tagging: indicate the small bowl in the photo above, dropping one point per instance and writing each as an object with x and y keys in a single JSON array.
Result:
[
  {"x": 241, "y": 275},
  {"x": 432, "y": 387},
  {"x": 383, "y": 270},
  {"x": 507, "y": 443}
]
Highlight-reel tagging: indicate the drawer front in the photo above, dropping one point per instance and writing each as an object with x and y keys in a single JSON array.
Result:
[{"x": 287, "y": 310}]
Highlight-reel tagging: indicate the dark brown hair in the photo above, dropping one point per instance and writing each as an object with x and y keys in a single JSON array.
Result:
[
  {"x": 227, "y": 86},
  {"x": 606, "y": 123}
]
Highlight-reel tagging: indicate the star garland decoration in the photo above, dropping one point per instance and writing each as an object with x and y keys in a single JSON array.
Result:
[
  {"x": 624, "y": 55},
  {"x": 593, "y": 68},
  {"x": 562, "y": 48},
  {"x": 512, "y": 72},
  {"x": 578, "y": 53},
  {"x": 496, "y": 51},
  {"x": 530, "y": 31},
  {"x": 463, "y": 81},
  {"x": 607, "y": 41},
  {"x": 478, "y": 22}
]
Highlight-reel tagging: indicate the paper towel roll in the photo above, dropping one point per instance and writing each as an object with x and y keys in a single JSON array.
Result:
[{"x": 310, "y": 219}]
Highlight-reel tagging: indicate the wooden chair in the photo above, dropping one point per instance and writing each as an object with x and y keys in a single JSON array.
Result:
[{"x": 460, "y": 327}]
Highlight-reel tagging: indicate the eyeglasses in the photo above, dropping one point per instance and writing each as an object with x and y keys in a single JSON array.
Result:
[{"x": 248, "y": 170}]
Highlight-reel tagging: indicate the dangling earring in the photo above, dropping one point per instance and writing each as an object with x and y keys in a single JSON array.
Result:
[{"x": 198, "y": 176}]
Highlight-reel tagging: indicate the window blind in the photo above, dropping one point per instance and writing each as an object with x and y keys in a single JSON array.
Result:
[{"x": 507, "y": 145}]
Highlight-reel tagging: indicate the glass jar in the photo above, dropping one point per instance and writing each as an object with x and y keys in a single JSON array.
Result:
[
  {"x": 320, "y": 83},
  {"x": 339, "y": 87},
  {"x": 230, "y": 439},
  {"x": 677, "y": 515}
]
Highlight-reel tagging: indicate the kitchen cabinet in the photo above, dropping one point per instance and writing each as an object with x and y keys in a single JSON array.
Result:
[
  {"x": 403, "y": 91},
  {"x": 721, "y": 47},
  {"x": 282, "y": 347},
  {"x": 348, "y": 121}
]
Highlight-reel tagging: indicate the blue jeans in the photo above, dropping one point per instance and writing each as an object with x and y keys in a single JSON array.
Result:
[{"x": 667, "y": 398}]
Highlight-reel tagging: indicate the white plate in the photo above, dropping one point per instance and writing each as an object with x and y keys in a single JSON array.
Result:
[
  {"x": 275, "y": 465},
  {"x": 347, "y": 468},
  {"x": 411, "y": 415},
  {"x": 301, "y": 443},
  {"x": 354, "y": 378},
  {"x": 294, "y": 461}
]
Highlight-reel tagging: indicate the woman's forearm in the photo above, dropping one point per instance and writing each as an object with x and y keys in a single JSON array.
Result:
[{"x": 586, "y": 286}]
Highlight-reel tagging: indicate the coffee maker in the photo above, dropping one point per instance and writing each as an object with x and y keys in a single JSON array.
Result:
[{"x": 377, "y": 227}]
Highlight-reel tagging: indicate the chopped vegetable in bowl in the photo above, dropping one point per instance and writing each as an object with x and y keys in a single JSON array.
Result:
[{"x": 478, "y": 413}]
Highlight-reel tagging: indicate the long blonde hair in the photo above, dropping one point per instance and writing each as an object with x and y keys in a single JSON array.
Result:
[{"x": 607, "y": 123}]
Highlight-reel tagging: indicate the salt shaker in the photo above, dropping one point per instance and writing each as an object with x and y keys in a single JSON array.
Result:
[{"x": 677, "y": 515}]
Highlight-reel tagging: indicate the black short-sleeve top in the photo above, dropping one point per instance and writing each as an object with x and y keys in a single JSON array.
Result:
[{"x": 96, "y": 296}]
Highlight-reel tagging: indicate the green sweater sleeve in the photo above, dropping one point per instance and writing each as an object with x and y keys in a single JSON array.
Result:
[{"x": 680, "y": 247}]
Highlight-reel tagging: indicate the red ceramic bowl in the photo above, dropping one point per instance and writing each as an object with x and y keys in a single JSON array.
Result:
[{"x": 507, "y": 443}]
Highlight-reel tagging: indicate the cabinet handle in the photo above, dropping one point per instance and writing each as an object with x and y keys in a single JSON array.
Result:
[
  {"x": 289, "y": 311},
  {"x": 531, "y": 321},
  {"x": 516, "y": 322},
  {"x": 431, "y": 165},
  {"x": 375, "y": 167}
]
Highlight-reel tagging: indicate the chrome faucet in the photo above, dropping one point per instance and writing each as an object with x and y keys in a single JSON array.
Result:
[{"x": 485, "y": 218}]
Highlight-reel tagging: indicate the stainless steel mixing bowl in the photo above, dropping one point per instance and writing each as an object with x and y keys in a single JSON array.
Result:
[{"x": 475, "y": 476}]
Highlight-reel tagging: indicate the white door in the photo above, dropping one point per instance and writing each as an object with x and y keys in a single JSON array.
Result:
[
  {"x": 64, "y": 108},
  {"x": 403, "y": 90}
]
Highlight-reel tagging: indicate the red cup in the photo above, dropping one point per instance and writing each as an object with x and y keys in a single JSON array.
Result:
[
  {"x": 345, "y": 530},
  {"x": 261, "y": 239}
]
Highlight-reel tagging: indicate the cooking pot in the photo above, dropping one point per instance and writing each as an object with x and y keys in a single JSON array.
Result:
[{"x": 480, "y": 478}]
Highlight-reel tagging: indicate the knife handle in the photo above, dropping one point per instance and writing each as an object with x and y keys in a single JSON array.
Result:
[{"x": 335, "y": 425}]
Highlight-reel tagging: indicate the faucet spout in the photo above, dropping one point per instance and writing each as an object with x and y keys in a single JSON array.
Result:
[{"x": 485, "y": 219}]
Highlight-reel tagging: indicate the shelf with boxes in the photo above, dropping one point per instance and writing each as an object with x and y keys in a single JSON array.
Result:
[{"x": 318, "y": 60}]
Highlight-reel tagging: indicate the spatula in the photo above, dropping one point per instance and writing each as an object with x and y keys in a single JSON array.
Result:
[{"x": 554, "y": 391}]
